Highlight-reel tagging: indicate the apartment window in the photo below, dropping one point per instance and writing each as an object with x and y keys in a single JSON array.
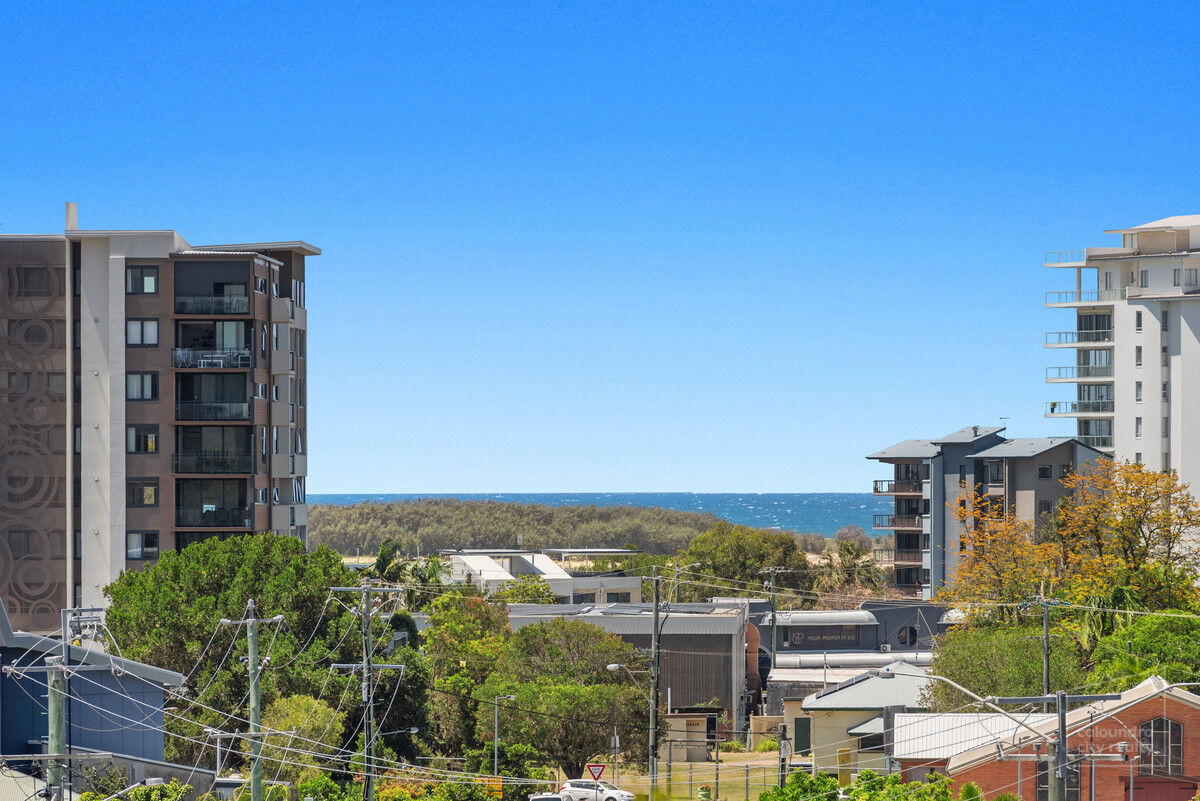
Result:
[
  {"x": 260, "y": 391},
  {"x": 264, "y": 339},
  {"x": 1161, "y": 746},
  {"x": 275, "y": 496},
  {"x": 275, "y": 336},
  {"x": 79, "y": 439},
  {"x": 275, "y": 439},
  {"x": 1175, "y": 277},
  {"x": 141, "y": 545},
  {"x": 260, "y": 285},
  {"x": 1045, "y": 471},
  {"x": 1137, "y": 321},
  {"x": 962, "y": 475},
  {"x": 1045, "y": 507},
  {"x": 1189, "y": 276},
  {"x": 78, "y": 332},
  {"x": 262, "y": 494},
  {"x": 1164, "y": 355},
  {"x": 141, "y": 280},
  {"x": 1165, "y": 326},
  {"x": 1166, "y": 392},
  {"x": 274, "y": 289},
  {"x": 1137, "y": 458},
  {"x": 142, "y": 492},
  {"x": 262, "y": 436},
  {"x": 1137, "y": 391},
  {"x": 299, "y": 437},
  {"x": 141, "y": 333},
  {"x": 1166, "y": 426},
  {"x": 1137, "y": 355},
  {"x": 141, "y": 386},
  {"x": 1144, "y": 278},
  {"x": 76, "y": 280},
  {"x": 32, "y": 282},
  {"x": 275, "y": 392},
  {"x": 1129, "y": 241},
  {"x": 1137, "y": 428},
  {"x": 1064, "y": 470},
  {"x": 1108, "y": 281},
  {"x": 141, "y": 438}
]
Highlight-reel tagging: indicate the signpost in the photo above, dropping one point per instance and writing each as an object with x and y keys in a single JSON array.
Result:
[{"x": 597, "y": 770}]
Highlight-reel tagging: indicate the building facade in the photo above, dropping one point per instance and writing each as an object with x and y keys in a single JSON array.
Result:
[
  {"x": 186, "y": 412},
  {"x": 1024, "y": 475},
  {"x": 1134, "y": 333}
]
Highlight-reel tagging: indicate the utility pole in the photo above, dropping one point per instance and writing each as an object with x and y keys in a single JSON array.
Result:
[
  {"x": 783, "y": 754},
  {"x": 56, "y": 715},
  {"x": 366, "y": 613},
  {"x": 653, "y": 692},
  {"x": 255, "y": 671},
  {"x": 772, "y": 571},
  {"x": 1045, "y": 648}
]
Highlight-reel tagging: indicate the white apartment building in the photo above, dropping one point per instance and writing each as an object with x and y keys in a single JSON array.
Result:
[{"x": 1132, "y": 348}]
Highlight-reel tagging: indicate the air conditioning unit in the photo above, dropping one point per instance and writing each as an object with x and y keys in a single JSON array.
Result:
[{"x": 886, "y": 648}]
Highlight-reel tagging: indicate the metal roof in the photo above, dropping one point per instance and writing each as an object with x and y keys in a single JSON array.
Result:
[
  {"x": 871, "y": 691},
  {"x": 297, "y": 245},
  {"x": 968, "y": 434},
  {"x": 1022, "y": 448},
  {"x": 483, "y": 566},
  {"x": 1165, "y": 224},
  {"x": 909, "y": 449},
  {"x": 867, "y": 727},
  {"x": 811, "y": 675},
  {"x": 934, "y": 736},
  {"x": 835, "y": 617},
  {"x": 637, "y": 618},
  {"x": 863, "y": 660}
]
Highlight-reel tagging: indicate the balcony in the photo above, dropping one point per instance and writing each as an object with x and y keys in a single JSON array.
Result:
[
  {"x": 1077, "y": 408},
  {"x": 212, "y": 517},
  {"x": 1085, "y": 297},
  {"x": 212, "y": 462},
  {"x": 1104, "y": 442},
  {"x": 904, "y": 487},
  {"x": 1064, "y": 258},
  {"x": 213, "y": 304},
  {"x": 1079, "y": 372},
  {"x": 896, "y": 521},
  {"x": 894, "y": 556},
  {"x": 212, "y": 359},
  {"x": 1069, "y": 339},
  {"x": 212, "y": 410}
]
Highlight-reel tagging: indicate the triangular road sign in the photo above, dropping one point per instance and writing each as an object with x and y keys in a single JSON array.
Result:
[{"x": 596, "y": 771}]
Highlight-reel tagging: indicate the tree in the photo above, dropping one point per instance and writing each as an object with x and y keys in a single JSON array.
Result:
[
  {"x": 317, "y": 736},
  {"x": 1166, "y": 645},
  {"x": 422, "y": 579},
  {"x": 567, "y": 700},
  {"x": 735, "y": 557},
  {"x": 466, "y": 634},
  {"x": 850, "y": 567},
  {"x": 998, "y": 661},
  {"x": 853, "y": 534},
  {"x": 517, "y": 760},
  {"x": 170, "y": 791},
  {"x": 527, "y": 589}
]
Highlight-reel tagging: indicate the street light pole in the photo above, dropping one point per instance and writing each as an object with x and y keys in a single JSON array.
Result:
[{"x": 496, "y": 731}]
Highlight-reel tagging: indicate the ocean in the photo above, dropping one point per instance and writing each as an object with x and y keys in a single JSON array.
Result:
[{"x": 822, "y": 512}]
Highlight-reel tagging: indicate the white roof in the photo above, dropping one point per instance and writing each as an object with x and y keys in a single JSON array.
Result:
[
  {"x": 825, "y": 617},
  {"x": 818, "y": 675},
  {"x": 935, "y": 736},
  {"x": 870, "y": 691},
  {"x": 1165, "y": 224},
  {"x": 547, "y": 566},
  {"x": 485, "y": 567}
]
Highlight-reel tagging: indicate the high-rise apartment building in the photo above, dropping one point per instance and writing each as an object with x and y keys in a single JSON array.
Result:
[
  {"x": 1019, "y": 475},
  {"x": 153, "y": 394},
  {"x": 1135, "y": 341}
]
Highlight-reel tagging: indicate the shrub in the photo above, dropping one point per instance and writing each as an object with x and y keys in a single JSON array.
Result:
[
  {"x": 766, "y": 745},
  {"x": 733, "y": 746},
  {"x": 970, "y": 792}
]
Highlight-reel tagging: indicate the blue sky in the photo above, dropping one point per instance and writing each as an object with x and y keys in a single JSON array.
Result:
[{"x": 625, "y": 246}]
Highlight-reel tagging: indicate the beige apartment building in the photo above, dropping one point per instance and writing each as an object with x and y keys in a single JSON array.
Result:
[
  {"x": 1132, "y": 346},
  {"x": 154, "y": 395}
]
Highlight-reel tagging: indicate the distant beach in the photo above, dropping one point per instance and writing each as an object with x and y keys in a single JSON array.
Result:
[{"x": 821, "y": 512}]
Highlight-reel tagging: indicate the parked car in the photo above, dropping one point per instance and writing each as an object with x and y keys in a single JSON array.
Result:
[
  {"x": 545, "y": 797},
  {"x": 588, "y": 790}
]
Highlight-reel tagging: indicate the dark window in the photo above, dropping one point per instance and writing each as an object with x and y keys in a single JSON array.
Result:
[
  {"x": 1064, "y": 470},
  {"x": 142, "y": 492},
  {"x": 141, "y": 280},
  {"x": 1045, "y": 507},
  {"x": 1043, "y": 780},
  {"x": 141, "y": 386},
  {"x": 141, "y": 438},
  {"x": 141, "y": 333},
  {"x": 872, "y": 742},
  {"x": 1045, "y": 471},
  {"x": 962, "y": 475},
  {"x": 33, "y": 282},
  {"x": 141, "y": 544},
  {"x": 1161, "y": 743},
  {"x": 907, "y": 635},
  {"x": 260, "y": 285}
]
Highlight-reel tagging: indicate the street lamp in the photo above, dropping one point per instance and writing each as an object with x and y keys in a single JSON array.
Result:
[{"x": 496, "y": 731}]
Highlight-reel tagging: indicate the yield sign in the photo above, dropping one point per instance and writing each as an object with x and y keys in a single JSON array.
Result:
[{"x": 596, "y": 771}]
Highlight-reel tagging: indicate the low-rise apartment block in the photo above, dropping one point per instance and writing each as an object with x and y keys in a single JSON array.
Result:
[
  {"x": 492, "y": 569},
  {"x": 154, "y": 395},
  {"x": 928, "y": 476}
]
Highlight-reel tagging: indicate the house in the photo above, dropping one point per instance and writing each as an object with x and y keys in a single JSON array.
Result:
[
  {"x": 492, "y": 569},
  {"x": 850, "y": 716},
  {"x": 916, "y": 742},
  {"x": 1149, "y": 737}
]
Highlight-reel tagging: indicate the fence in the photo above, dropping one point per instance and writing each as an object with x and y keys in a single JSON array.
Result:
[{"x": 739, "y": 781}]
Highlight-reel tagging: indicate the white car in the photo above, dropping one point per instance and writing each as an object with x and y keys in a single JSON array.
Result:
[{"x": 588, "y": 790}]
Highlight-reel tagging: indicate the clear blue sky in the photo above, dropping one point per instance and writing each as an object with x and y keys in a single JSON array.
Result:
[{"x": 625, "y": 246}]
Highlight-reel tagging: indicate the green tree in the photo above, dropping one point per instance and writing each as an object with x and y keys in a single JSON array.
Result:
[
  {"x": 1149, "y": 645},
  {"x": 317, "y": 728},
  {"x": 466, "y": 634},
  {"x": 170, "y": 791},
  {"x": 526, "y": 589},
  {"x": 736, "y": 555},
  {"x": 849, "y": 567},
  {"x": 999, "y": 661},
  {"x": 517, "y": 760}
]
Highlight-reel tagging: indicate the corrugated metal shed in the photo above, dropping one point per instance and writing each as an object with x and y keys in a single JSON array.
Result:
[
  {"x": 836, "y": 617},
  {"x": 928, "y": 736}
]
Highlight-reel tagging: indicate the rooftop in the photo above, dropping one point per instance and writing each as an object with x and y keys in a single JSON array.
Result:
[
  {"x": 935, "y": 736},
  {"x": 909, "y": 449},
  {"x": 1165, "y": 224},
  {"x": 968, "y": 434},
  {"x": 295, "y": 245},
  {"x": 872, "y": 691},
  {"x": 1024, "y": 447}
]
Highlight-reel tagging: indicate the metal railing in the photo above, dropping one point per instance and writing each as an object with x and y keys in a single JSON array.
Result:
[
  {"x": 1080, "y": 407},
  {"x": 1064, "y": 256},
  {"x": 212, "y": 410},
  {"x": 217, "y": 359},
  {"x": 889, "y": 487},
  {"x": 1079, "y": 337},
  {"x": 1080, "y": 371},
  {"x": 1083, "y": 296},
  {"x": 208, "y": 518},
  {"x": 212, "y": 462},
  {"x": 896, "y": 521},
  {"x": 213, "y": 304},
  {"x": 1096, "y": 441}
]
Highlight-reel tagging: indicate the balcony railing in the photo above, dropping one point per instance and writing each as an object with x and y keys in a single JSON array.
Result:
[
  {"x": 209, "y": 410},
  {"x": 897, "y": 521},
  {"x": 1080, "y": 407},
  {"x": 215, "y": 359},
  {"x": 889, "y": 487},
  {"x": 213, "y": 517},
  {"x": 1079, "y": 371},
  {"x": 212, "y": 462},
  {"x": 1096, "y": 441},
  {"x": 1064, "y": 256},
  {"x": 213, "y": 304},
  {"x": 1079, "y": 337},
  {"x": 1083, "y": 296}
]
